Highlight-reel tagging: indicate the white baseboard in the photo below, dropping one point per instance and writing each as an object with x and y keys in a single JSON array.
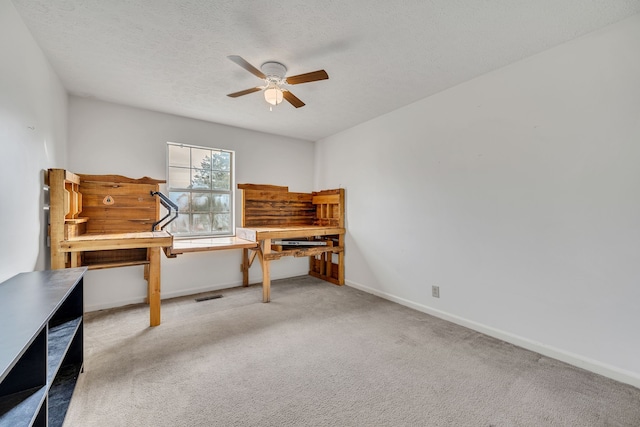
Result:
[
  {"x": 168, "y": 295},
  {"x": 112, "y": 304},
  {"x": 595, "y": 366}
]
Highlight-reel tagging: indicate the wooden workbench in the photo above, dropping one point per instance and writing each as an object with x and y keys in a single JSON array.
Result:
[
  {"x": 106, "y": 221},
  {"x": 272, "y": 212}
]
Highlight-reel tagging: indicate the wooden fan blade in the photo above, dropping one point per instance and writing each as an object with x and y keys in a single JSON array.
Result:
[
  {"x": 244, "y": 64},
  {"x": 293, "y": 100},
  {"x": 244, "y": 92},
  {"x": 308, "y": 77}
]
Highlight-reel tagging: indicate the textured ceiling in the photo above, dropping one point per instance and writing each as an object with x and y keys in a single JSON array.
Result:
[{"x": 171, "y": 56}]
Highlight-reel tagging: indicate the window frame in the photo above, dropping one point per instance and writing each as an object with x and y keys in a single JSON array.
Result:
[{"x": 170, "y": 188}]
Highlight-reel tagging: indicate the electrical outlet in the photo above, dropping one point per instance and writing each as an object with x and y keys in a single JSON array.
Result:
[{"x": 435, "y": 291}]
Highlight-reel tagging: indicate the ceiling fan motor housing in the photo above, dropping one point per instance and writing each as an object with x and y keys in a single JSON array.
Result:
[{"x": 274, "y": 71}]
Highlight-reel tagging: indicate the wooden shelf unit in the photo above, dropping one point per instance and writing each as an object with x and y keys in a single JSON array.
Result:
[
  {"x": 41, "y": 330},
  {"x": 117, "y": 214},
  {"x": 272, "y": 212},
  {"x": 115, "y": 229}
]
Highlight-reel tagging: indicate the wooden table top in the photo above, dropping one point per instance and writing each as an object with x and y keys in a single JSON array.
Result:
[
  {"x": 99, "y": 242},
  {"x": 181, "y": 246},
  {"x": 260, "y": 233}
]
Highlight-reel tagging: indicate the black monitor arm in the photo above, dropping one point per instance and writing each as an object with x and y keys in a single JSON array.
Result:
[{"x": 169, "y": 205}]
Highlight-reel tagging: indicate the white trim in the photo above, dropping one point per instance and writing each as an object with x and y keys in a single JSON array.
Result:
[
  {"x": 169, "y": 295},
  {"x": 592, "y": 365}
]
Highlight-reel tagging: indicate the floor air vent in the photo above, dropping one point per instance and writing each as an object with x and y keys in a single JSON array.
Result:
[{"x": 208, "y": 297}]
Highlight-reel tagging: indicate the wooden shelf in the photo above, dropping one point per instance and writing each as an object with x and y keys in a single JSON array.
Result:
[
  {"x": 279, "y": 251},
  {"x": 115, "y": 264},
  {"x": 75, "y": 220}
]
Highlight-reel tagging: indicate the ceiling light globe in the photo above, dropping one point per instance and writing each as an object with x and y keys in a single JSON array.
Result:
[{"x": 273, "y": 95}]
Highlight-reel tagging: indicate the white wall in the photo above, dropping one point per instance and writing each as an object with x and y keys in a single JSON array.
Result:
[
  {"x": 33, "y": 134},
  {"x": 518, "y": 193},
  {"x": 107, "y": 138}
]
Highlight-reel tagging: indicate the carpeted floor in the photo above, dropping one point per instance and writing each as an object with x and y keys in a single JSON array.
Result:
[{"x": 322, "y": 355}]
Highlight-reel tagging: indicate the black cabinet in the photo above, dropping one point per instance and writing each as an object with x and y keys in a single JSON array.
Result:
[{"x": 41, "y": 345}]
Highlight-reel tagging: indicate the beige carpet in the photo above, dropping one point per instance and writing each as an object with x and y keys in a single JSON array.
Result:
[{"x": 322, "y": 355}]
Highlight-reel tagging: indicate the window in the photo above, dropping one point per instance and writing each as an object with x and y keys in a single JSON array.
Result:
[{"x": 201, "y": 181}]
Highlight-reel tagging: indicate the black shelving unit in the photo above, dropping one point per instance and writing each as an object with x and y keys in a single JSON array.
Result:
[{"x": 41, "y": 351}]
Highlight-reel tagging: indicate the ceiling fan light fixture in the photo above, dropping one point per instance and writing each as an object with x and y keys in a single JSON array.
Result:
[
  {"x": 274, "y": 75},
  {"x": 273, "y": 95}
]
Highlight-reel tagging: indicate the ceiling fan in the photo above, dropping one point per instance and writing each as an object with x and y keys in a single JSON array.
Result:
[{"x": 274, "y": 75}]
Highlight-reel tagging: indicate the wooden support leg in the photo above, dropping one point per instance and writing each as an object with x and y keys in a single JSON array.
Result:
[
  {"x": 245, "y": 267},
  {"x": 146, "y": 277},
  {"x": 266, "y": 276},
  {"x": 323, "y": 264},
  {"x": 247, "y": 262},
  {"x": 341, "y": 260},
  {"x": 75, "y": 259},
  {"x": 57, "y": 209},
  {"x": 154, "y": 286},
  {"x": 328, "y": 266}
]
